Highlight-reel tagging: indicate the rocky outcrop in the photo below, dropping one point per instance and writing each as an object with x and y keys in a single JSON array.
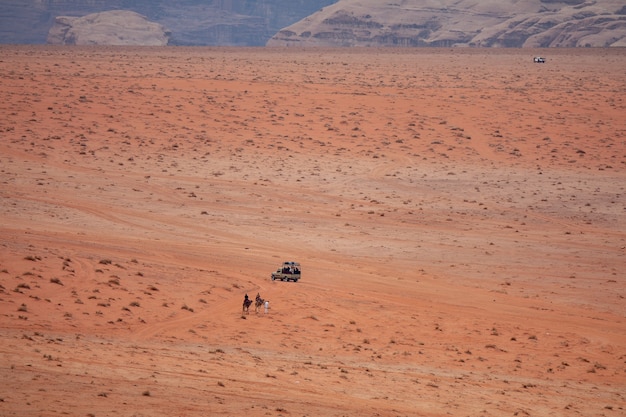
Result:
[
  {"x": 444, "y": 23},
  {"x": 29, "y": 21},
  {"x": 345, "y": 23},
  {"x": 115, "y": 27},
  {"x": 191, "y": 22}
]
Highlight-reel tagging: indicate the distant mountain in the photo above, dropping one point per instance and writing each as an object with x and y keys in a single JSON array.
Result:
[
  {"x": 113, "y": 27},
  {"x": 189, "y": 22},
  {"x": 444, "y": 23},
  {"x": 489, "y": 23}
]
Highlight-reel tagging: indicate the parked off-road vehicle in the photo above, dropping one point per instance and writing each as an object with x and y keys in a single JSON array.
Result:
[{"x": 289, "y": 271}]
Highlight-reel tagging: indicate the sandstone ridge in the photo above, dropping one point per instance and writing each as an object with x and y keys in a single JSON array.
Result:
[
  {"x": 445, "y": 23},
  {"x": 114, "y": 27},
  {"x": 191, "y": 22}
]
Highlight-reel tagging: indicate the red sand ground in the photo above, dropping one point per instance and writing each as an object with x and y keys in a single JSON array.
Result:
[{"x": 460, "y": 217}]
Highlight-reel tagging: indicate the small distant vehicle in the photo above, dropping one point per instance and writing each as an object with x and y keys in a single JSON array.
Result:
[
  {"x": 539, "y": 60},
  {"x": 289, "y": 271}
]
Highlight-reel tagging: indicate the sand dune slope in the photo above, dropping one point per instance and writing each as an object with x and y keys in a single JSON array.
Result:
[{"x": 460, "y": 218}]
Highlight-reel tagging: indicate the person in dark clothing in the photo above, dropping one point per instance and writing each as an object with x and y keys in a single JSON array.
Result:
[{"x": 246, "y": 304}]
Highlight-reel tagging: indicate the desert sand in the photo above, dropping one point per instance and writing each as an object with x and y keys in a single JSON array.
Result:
[{"x": 459, "y": 215}]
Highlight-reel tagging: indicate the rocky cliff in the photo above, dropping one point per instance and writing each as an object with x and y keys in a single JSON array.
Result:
[
  {"x": 444, "y": 23},
  {"x": 503, "y": 23},
  {"x": 190, "y": 22},
  {"x": 115, "y": 27}
]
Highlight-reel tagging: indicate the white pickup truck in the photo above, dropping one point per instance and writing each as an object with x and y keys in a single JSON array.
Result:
[{"x": 289, "y": 271}]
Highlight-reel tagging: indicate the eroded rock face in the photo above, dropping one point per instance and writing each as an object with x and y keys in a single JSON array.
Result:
[
  {"x": 444, "y": 23},
  {"x": 191, "y": 22},
  {"x": 115, "y": 27}
]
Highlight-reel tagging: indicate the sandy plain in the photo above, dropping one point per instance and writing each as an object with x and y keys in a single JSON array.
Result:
[{"x": 460, "y": 218}]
